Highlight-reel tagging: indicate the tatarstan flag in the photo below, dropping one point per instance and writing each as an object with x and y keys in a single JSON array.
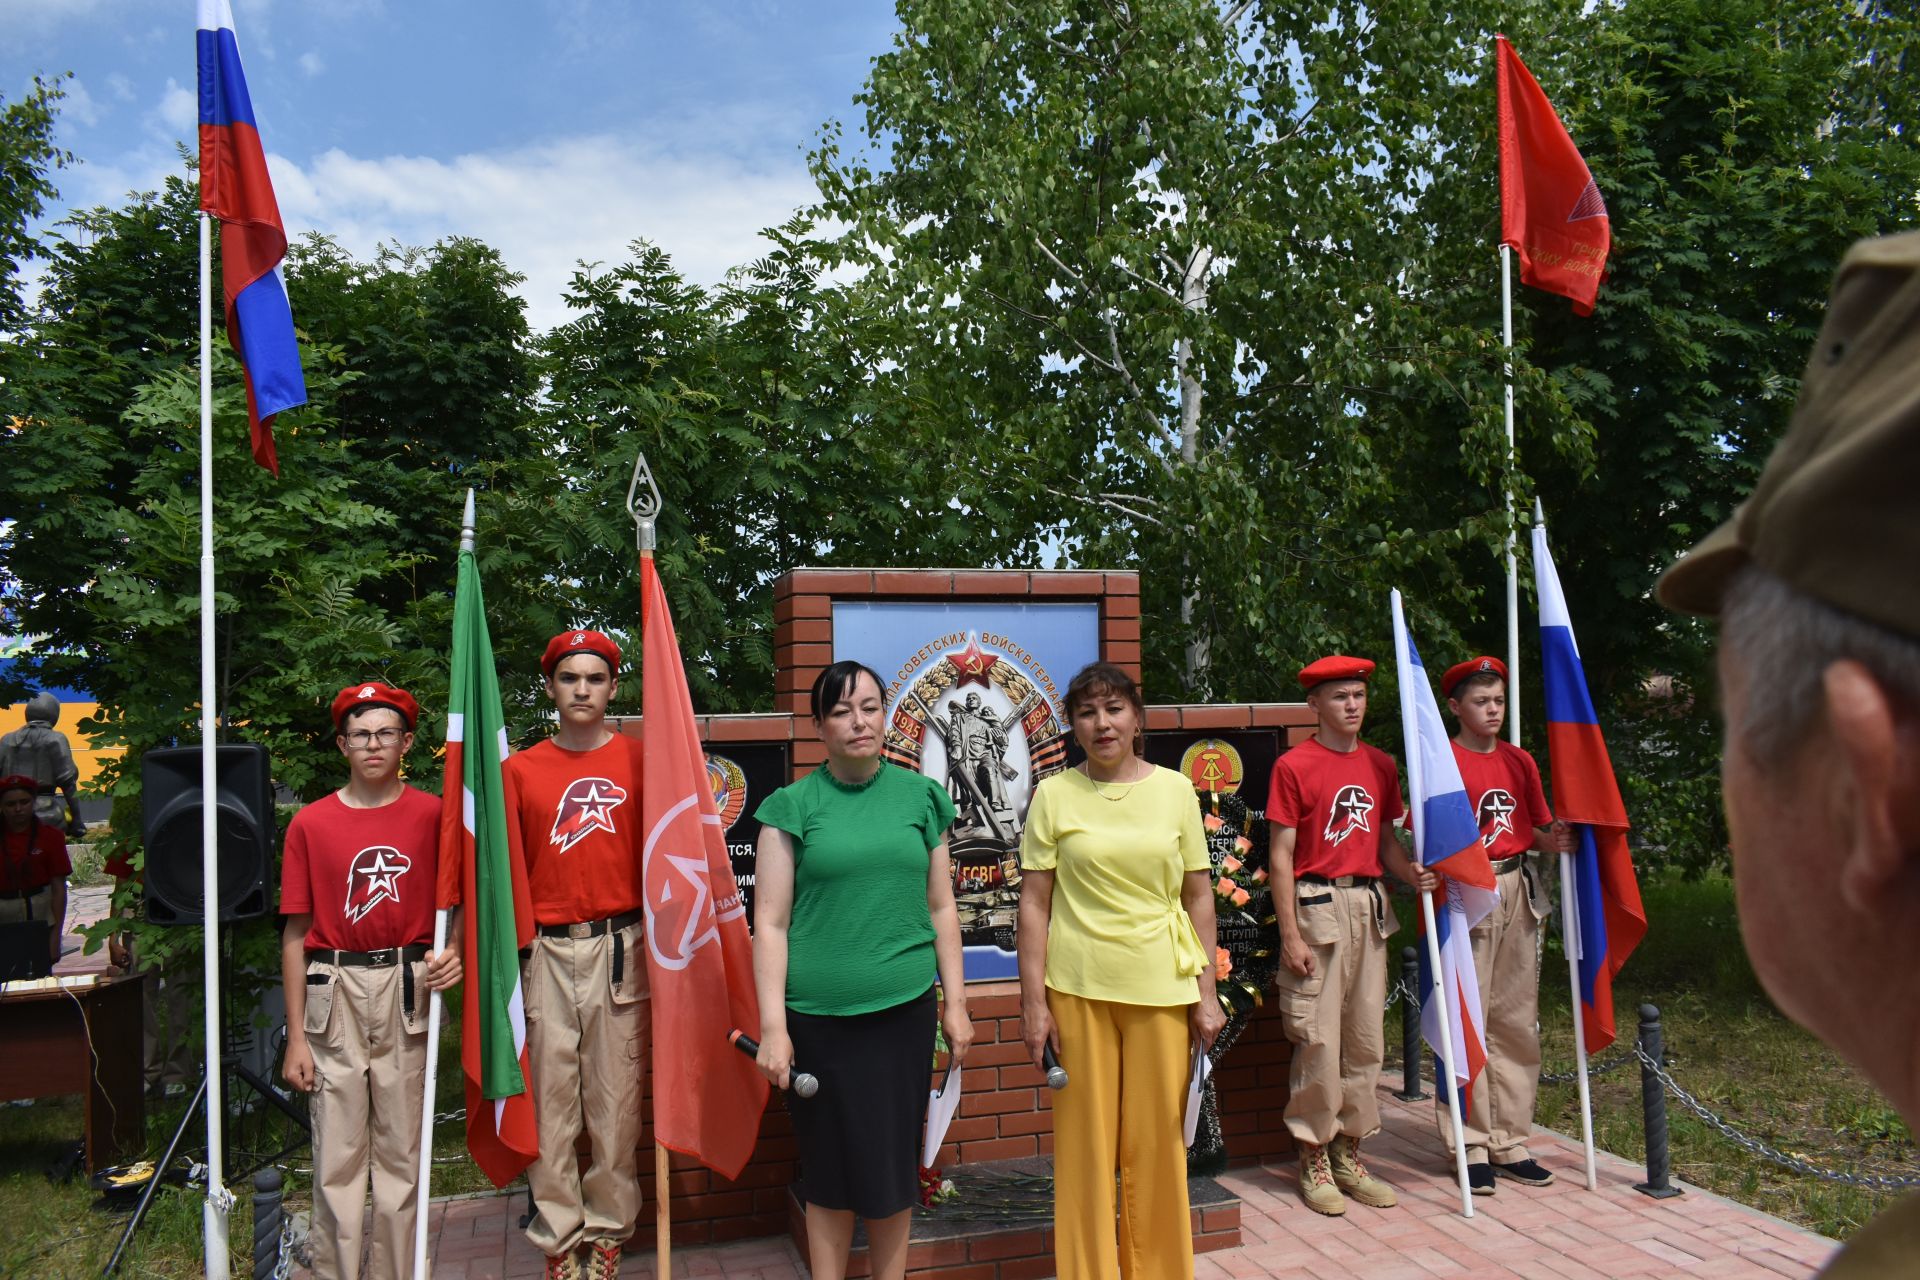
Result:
[{"x": 476, "y": 836}]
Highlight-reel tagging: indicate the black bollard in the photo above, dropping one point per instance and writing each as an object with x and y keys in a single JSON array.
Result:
[
  {"x": 1653, "y": 1105},
  {"x": 1410, "y": 1028},
  {"x": 266, "y": 1223}
]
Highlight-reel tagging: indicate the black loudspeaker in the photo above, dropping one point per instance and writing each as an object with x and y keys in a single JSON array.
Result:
[{"x": 171, "y": 814}]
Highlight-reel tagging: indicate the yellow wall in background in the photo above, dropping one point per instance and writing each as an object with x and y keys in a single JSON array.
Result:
[{"x": 85, "y": 756}]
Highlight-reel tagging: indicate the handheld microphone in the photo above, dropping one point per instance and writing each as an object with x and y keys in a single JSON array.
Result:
[
  {"x": 799, "y": 1081},
  {"x": 1056, "y": 1074}
]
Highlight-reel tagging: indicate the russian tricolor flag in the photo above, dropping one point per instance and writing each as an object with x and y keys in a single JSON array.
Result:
[
  {"x": 1607, "y": 913},
  {"x": 1446, "y": 839},
  {"x": 234, "y": 188}
]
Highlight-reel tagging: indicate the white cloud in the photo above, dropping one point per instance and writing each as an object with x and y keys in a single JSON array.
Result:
[
  {"x": 547, "y": 207},
  {"x": 312, "y": 63},
  {"x": 79, "y": 104},
  {"x": 178, "y": 113},
  {"x": 121, "y": 86}
]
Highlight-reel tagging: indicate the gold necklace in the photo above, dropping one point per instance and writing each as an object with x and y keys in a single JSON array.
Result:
[{"x": 1129, "y": 786}]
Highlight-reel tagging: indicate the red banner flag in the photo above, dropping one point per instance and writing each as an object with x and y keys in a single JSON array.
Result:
[
  {"x": 707, "y": 1097},
  {"x": 1551, "y": 211}
]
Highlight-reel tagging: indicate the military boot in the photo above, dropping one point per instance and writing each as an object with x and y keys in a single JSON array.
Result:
[
  {"x": 1352, "y": 1177},
  {"x": 1317, "y": 1187}
]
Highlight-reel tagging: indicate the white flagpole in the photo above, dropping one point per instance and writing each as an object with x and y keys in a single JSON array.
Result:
[
  {"x": 219, "y": 1199},
  {"x": 1513, "y": 572},
  {"x": 422, "y": 1200},
  {"x": 1446, "y": 1038},
  {"x": 1416, "y": 776},
  {"x": 1570, "y": 932}
]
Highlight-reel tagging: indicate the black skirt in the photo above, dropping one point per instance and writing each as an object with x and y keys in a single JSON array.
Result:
[{"x": 859, "y": 1137}]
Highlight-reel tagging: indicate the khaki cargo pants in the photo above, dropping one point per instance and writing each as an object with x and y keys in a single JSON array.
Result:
[
  {"x": 1333, "y": 1017},
  {"x": 369, "y": 1066},
  {"x": 587, "y": 1042},
  {"x": 1506, "y": 957}
]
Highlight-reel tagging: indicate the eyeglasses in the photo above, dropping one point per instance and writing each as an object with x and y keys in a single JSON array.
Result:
[{"x": 361, "y": 739}]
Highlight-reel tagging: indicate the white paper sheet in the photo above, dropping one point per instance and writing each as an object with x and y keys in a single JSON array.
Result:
[
  {"x": 942, "y": 1103},
  {"x": 1196, "y": 1085}
]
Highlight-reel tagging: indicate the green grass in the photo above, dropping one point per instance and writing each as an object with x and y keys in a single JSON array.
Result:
[
  {"x": 51, "y": 1229},
  {"x": 1729, "y": 1047}
]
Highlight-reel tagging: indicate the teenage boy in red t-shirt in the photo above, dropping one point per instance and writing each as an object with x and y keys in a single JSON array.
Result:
[
  {"x": 1331, "y": 804},
  {"x": 576, "y": 798},
  {"x": 33, "y": 863},
  {"x": 359, "y": 884},
  {"x": 1504, "y": 784}
]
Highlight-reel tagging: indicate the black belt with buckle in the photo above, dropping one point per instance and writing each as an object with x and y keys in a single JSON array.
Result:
[
  {"x": 1338, "y": 882},
  {"x": 1504, "y": 865},
  {"x": 385, "y": 958},
  {"x": 591, "y": 928}
]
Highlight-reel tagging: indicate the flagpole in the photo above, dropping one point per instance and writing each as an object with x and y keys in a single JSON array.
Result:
[
  {"x": 1570, "y": 933},
  {"x": 422, "y": 1198},
  {"x": 1513, "y": 570},
  {"x": 643, "y": 504},
  {"x": 1416, "y": 777},
  {"x": 219, "y": 1199}
]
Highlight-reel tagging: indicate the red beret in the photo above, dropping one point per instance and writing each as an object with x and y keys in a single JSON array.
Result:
[
  {"x": 19, "y": 782},
  {"x": 374, "y": 694},
  {"x": 1334, "y": 667},
  {"x": 568, "y": 643},
  {"x": 1482, "y": 665}
]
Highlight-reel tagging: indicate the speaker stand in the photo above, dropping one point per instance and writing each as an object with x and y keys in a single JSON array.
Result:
[{"x": 230, "y": 1068}]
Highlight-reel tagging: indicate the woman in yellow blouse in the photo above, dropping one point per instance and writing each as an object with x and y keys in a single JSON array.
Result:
[{"x": 1116, "y": 931}]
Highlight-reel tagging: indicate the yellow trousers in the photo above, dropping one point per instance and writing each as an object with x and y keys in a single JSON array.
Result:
[{"x": 1121, "y": 1110}]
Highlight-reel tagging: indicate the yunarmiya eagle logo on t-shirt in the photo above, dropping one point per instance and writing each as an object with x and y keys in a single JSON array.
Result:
[
  {"x": 586, "y": 807},
  {"x": 1495, "y": 814},
  {"x": 1348, "y": 814},
  {"x": 373, "y": 877}
]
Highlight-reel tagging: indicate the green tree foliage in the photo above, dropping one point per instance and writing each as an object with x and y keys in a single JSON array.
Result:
[
  {"x": 1742, "y": 146},
  {"x": 28, "y": 157},
  {"x": 1170, "y": 270}
]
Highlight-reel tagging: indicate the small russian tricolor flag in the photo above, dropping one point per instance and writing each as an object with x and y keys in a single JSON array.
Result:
[
  {"x": 234, "y": 188},
  {"x": 1446, "y": 839}
]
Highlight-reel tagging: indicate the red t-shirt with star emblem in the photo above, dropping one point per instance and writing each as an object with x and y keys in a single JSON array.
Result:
[
  {"x": 579, "y": 815},
  {"x": 367, "y": 876},
  {"x": 1504, "y": 785},
  {"x": 1339, "y": 804}
]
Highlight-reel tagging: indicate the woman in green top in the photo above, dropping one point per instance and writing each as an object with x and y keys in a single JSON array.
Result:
[
  {"x": 853, "y": 915},
  {"x": 1116, "y": 939}
]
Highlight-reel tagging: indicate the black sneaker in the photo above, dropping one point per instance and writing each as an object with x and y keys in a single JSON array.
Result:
[
  {"x": 1527, "y": 1171},
  {"x": 1480, "y": 1179}
]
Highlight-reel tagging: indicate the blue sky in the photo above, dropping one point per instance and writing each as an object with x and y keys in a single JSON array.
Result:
[{"x": 555, "y": 130}]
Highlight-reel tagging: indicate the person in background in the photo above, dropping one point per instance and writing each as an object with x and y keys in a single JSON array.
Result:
[
  {"x": 1813, "y": 582},
  {"x": 1332, "y": 804},
  {"x": 33, "y": 863},
  {"x": 359, "y": 885},
  {"x": 1115, "y": 944},
  {"x": 853, "y": 918},
  {"x": 1503, "y": 782}
]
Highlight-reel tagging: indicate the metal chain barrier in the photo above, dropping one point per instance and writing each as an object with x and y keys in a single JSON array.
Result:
[
  {"x": 1786, "y": 1160},
  {"x": 1595, "y": 1069}
]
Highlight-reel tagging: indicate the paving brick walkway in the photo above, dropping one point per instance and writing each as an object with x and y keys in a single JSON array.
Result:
[{"x": 1562, "y": 1232}]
